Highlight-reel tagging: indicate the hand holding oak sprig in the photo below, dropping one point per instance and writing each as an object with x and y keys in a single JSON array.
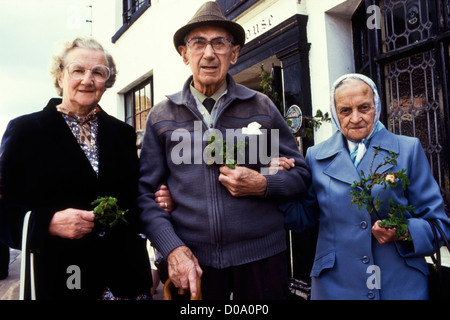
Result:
[
  {"x": 363, "y": 198},
  {"x": 108, "y": 214}
]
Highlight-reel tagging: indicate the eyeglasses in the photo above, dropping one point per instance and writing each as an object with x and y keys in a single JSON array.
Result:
[
  {"x": 219, "y": 45},
  {"x": 77, "y": 71}
]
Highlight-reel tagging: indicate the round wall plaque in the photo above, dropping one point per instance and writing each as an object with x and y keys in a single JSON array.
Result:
[{"x": 294, "y": 118}]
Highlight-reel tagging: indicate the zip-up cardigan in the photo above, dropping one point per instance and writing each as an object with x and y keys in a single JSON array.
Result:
[{"x": 221, "y": 230}]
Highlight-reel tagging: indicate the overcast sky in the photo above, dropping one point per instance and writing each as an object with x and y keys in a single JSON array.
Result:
[{"x": 29, "y": 33}]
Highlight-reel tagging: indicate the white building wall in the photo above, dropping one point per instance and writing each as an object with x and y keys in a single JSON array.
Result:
[
  {"x": 331, "y": 55},
  {"x": 146, "y": 48},
  {"x": 103, "y": 27}
]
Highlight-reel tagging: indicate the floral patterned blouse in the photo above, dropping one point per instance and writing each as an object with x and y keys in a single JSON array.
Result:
[{"x": 85, "y": 130}]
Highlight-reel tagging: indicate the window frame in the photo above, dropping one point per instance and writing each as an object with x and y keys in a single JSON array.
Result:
[
  {"x": 233, "y": 8},
  {"x": 130, "y": 104},
  {"x": 127, "y": 5}
]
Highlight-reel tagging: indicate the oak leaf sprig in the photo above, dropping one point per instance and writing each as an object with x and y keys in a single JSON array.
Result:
[
  {"x": 363, "y": 198},
  {"x": 107, "y": 213},
  {"x": 218, "y": 147}
]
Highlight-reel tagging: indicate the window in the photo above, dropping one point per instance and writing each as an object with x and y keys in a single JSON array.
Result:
[
  {"x": 406, "y": 22},
  {"x": 138, "y": 103},
  {"x": 130, "y": 7},
  {"x": 414, "y": 108},
  {"x": 233, "y": 8},
  {"x": 414, "y": 92},
  {"x": 131, "y": 11},
  {"x": 409, "y": 59}
]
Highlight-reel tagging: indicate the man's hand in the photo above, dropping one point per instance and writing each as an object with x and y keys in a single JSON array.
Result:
[
  {"x": 164, "y": 199},
  {"x": 242, "y": 181},
  {"x": 71, "y": 223},
  {"x": 184, "y": 269}
]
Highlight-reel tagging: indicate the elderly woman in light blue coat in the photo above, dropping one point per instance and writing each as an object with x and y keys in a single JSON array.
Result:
[{"x": 356, "y": 259}]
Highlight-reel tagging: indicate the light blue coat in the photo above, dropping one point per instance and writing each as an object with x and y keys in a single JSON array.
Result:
[{"x": 349, "y": 261}]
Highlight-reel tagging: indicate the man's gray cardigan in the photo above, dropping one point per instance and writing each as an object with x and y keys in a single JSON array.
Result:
[{"x": 221, "y": 230}]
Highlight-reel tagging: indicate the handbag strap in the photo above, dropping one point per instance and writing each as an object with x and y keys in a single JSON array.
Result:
[
  {"x": 436, "y": 247},
  {"x": 437, "y": 227},
  {"x": 437, "y": 230},
  {"x": 443, "y": 235}
]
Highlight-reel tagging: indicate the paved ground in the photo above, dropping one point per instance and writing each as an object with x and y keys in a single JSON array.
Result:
[{"x": 10, "y": 287}]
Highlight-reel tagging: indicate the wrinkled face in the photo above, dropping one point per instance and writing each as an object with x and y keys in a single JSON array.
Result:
[
  {"x": 209, "y": 68},
  {"x": 84, "y": 93},
  {"x": 355, "y": 108}
]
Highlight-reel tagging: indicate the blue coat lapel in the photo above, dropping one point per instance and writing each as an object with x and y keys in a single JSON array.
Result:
[
  {"x": 340, "y": 167},
  {"x": 386, "y": 141}
]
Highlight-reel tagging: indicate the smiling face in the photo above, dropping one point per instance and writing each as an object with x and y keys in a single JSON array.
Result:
[
  {"x": 81, "y": 96},
  {"x": 209, "y": 69},
  {"x": 355, "y": 109}
]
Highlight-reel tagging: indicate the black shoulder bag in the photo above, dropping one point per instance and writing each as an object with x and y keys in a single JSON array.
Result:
[{"x": 439, "y": 278}]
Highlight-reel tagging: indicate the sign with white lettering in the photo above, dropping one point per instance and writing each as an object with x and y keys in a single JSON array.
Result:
[
  {"x": 258, "y": 26},
  {"x": 265, "y": 15}
]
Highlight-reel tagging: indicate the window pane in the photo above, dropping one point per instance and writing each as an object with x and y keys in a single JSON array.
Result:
[
  {"x": 405, "y": 22},
  {"x": 141, "y": 105},
  {"x": 148, "y": 94},
  {"x": 137, "y": 102},
  {"x": 129, "y": 109},
  {"x": 130, "y": 7}
]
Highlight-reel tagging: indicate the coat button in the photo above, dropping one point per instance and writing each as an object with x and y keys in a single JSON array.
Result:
[
  {"x": 363, "y": 225},
  {"x": 365, "y": 259},
  {"x": 370, "y": 295}
]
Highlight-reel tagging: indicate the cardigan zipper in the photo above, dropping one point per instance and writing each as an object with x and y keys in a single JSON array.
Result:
[
  {"x": 216, "y": 216},
  {"x": 213, "y": 178}
]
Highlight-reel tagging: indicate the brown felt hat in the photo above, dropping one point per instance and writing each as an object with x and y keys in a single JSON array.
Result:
[{"x": 210, "y": 14}]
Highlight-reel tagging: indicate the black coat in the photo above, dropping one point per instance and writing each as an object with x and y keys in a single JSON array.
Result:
[{"x": 43, "y": 169}]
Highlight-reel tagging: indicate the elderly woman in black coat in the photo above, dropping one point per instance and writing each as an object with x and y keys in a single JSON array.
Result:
[{"x": 55, "y": 163}]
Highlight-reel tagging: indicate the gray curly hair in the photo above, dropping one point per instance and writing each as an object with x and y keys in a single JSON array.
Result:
[{"x": 58, "y": 60}]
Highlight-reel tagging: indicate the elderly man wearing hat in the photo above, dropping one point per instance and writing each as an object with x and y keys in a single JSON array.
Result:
[{"x": 226, "y": 227}]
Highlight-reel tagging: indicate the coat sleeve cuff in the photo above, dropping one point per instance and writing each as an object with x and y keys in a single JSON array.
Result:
[
  {"x": 166, "y": 241},
  {"x": 422, "y": 244},
  {"x": 275, "y": 185}
]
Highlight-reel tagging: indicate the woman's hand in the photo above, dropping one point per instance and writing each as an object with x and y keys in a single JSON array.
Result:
[
  {"x": 71, "y": 223},
  {"x": 384, "y": 235},
  {"x": 280, "y": 164},
  {"x": 164, "y": 199}
]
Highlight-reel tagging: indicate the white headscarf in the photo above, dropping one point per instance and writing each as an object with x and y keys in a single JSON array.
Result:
[{"x": 357, "y": 148}]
